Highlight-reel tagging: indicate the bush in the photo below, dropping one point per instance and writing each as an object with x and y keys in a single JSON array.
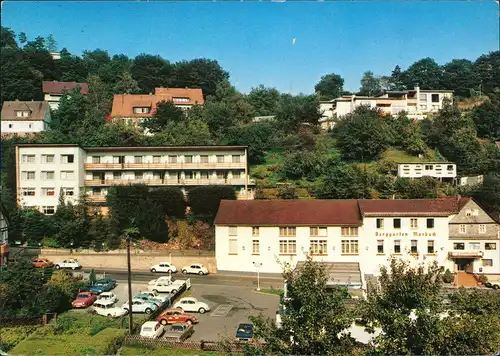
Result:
[
  {"x": 483, "y": 279},
  {"x": 206, "y": 200},
  {"x": 11, "y": 336},
  {"x": 447, "y": 276}
]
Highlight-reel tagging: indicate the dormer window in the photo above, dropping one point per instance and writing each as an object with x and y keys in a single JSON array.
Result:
[
  {"x": 180, "y": 100},
  {"x": 23, "y": 113},
  {"x": 142, "y": 109}
]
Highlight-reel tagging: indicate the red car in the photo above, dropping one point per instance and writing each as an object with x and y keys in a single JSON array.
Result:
[
  {"x": 176, "y": 315},
  {"x": 84, "y": 299}
]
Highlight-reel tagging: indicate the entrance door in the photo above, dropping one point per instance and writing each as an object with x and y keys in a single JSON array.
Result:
[{"x": 464, "y": 264}]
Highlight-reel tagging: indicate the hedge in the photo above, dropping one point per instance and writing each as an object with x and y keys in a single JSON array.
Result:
[{"x": 11, "y": 336}]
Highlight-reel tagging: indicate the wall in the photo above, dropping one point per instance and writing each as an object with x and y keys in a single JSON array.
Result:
[
  {"x": 22, "y": 126},
  {"x": 139, "y": 260}
]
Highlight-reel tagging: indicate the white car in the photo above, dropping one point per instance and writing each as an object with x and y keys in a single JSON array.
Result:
[
  {"x": 155, "y": 295},
  {"x": 140, "y": 306},
  {"x": 152, "y": 329},
  {"x": 69, "y": 263},
  {"x": 108, "y": 296},
  {"x": 108, "y": 308},
  {"x": 190, "y": 304},
  {"x": 163, "y": 267},
  {"x": 162, "y": 279},
  {"x": 148, "y": 298},
  {"x": 195, "y": 268},
  {"x": 166, "y": 286}
]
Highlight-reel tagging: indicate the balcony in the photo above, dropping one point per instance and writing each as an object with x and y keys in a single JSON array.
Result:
[
  {"x": 160, "y": 182},
  {"x": 466, "y": 254},
  {"x": 96, "y": 198},
  {"x": 163, "y": 166}
]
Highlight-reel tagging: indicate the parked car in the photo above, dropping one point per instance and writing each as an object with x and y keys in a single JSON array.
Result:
[
  {"x": 83, "y": 300},
  {"x": 147, "y": 298},
  {"x": 102, "y": 285},
  {"x": 108, "y": 296},
  {"x": 195, "y": 268},
  {"x": 494, "y": 285},
  {"x": 163, "y": 267},
  {"x": 162, "y": 279},
  {"x": 152, "y": 329},
  {"x": 140, "y": 306},
  {"x": 191, "y": 304},
  {"x": 244, "y": 332},
  {"x": 176, "y": 315},
  {"x": 178, "y": 331},
  {"x": 42, "y": 263},
  {"x": 69, "y": 263},
  {"x": 108, "y": 308},
  {"x": 162, "y": 297},
  {"x": 166, "y": 286}
]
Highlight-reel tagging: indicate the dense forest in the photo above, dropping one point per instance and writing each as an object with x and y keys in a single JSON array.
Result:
[{"x": 291, "y": 157}]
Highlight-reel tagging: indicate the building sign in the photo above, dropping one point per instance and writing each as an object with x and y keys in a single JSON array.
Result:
[{"x": 405, "y": 234}]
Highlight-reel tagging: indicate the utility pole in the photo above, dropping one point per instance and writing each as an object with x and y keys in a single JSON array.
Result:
[{"x": 130, "y": 324}]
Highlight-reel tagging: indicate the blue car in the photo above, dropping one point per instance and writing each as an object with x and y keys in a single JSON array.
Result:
[
  {"x": 244, "y": 332},
  {"x": 102, "y": 285}
]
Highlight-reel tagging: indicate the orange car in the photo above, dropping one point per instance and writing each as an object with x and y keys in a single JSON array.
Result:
[{"x": 41, "y": 263}]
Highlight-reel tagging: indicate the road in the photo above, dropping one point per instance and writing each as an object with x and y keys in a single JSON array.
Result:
[{"x": 211, "y": 279}]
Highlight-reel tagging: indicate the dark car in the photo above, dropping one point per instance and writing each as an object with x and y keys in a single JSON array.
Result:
[
  {"x": 244, "y": 332},
  {"x": 102, "y": 285},
  {"x": 178, "y": 331}
]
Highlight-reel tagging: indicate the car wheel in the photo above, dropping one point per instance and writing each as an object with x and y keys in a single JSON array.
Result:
[
  {"x": 496, "y": 286},
  {"x": 153, "y": 270},
  {"x": 174, "y": 291},
  {"x": 163, "y": 322},
  {"x": 110, "y": 316},
  {"x": 202, "y": 310},
  {"x": 126, "y": 311},
  {"x": 73, "y": 268},
  {"x": 189, "y": 322},
  {"x": 155, "y": 290},
  {"x": 184, "y": 271},
  {"x": 57, "y": 266},
  {"x": 201, "y": 273},
  {"x": 148, "y": 311}
]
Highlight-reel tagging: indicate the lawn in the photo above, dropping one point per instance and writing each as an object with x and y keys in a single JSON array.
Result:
[
  {"x": 272, "y": 291},
  {"x": 160, "y": 351},
  {"x": 11, "y": 336},
  {"x": 398, "y": 156}
]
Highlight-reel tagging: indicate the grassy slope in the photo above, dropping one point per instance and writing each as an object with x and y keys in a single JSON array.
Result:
[{"x": 160, "y": 351}]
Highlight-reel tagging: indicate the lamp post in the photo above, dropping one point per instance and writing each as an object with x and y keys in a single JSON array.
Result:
[
  {"x": 129, "y": 287},
  {"x": 170, "y": 269},
  {"x": 258, "y": 265}
]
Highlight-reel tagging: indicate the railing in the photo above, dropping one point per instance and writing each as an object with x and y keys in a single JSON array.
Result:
[
  {"x": 187, "y": 344},
  {"x": 165, "y": 165},
  {"x": 96, "y": 198},
  {"x": 470, "y": 253},
  {"x": 218, "y": 181}
]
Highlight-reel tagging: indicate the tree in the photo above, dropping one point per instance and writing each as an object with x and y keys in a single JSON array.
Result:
[
  {"x": 166, "y": 112},
  {"x": 99, "y": 96},
  {"x": 407, "y": 134},
  {"x": 264, "y": 100},
  {"x": 205, "y": 200},
  {"x": 304, "y": 164},
  {"x": 487, "y": 67},
  {"x": 425, "y": 73},
  {"x": 172, "y": 201},
  {"x": 460, "y": 76},
  {"x": 330, "y": 86},
  {"x": 18, "y": 80},
  {"x": 151, "y": 72},
  {"x": 189, "y": 132},
  {"x": 294, "y": 111},
  {"x": 315, "y": 319},
  {"x": 51, "y": 43},
  {"x": 344, "y": 181},
  {"x": 370, "y": 85},
  {"x": 126, "y": 84},
  {"x": 71, "y": 68},
  {"x": 486, "y": 117},
  {"x": 37, "y": 45},
  {"x": 71, "y": 112},
  {"x": 22, "y": 38},
  {"x": 423, "y": 188},
  {"x": 92, "y": 277},
  {"x": 363, "y": 135},
  {"x": 7, "y": 38},
  {"x": 396, "y": 81}
]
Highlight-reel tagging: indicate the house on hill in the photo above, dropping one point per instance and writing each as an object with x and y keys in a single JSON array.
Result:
[
  {"x": 53, "y": 91},
  {"x": 24, "y": 117}
]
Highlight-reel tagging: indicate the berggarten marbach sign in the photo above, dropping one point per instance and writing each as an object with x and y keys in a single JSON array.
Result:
[{"x": 403, "y": 234}]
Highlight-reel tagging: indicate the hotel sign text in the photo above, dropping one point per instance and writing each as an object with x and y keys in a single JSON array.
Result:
[{"x": 403, "y": 234}]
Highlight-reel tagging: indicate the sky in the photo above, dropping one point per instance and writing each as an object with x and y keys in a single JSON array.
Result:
[{"x": 253, "y": 41}]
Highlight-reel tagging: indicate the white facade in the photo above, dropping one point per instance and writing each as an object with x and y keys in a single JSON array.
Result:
[
  {"x": 21, "y": 127},
  {"x": 53, "y": 100},
  {"x": 443, "y": 170}
]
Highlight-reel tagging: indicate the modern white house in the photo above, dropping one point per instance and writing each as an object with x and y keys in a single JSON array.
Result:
[
  {"x": 44, "y": 170},
  {"x": 24, "y": 117},
  {"x": 271, "y": 234},
  {"x": 53, "y": 91},
  {"x": 444, "y": 171}
]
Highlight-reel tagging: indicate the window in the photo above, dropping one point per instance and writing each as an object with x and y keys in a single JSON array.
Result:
[
  {"x": 96, "y": 159},
  {"x": 141, "y": 110},
  {"x": 204, "y": 175},
  {"x": 468, "y": 212},
  {"x": 69, "y": 191},
  {"x": 462, "y": 228},
  {"x": 28, "y": 158},
  {"x": 156, "y": 159},
  {"x": 423, "y": 107},
  {"x": 318, "y": 247},
  {"x": 430, "y": 246},
  {"x": 487, "y": 262},
  {"x": 255, "y": 231},
  {"x": 380, "y": 246},
  {"x": 317, "y": 231},
  {"x": 428, "y": 167},
  {"x": 380, "y": 223},
  {"x": 117, "y": 175},
  {"x": 482, "y": 229},
  {"x": 138, "y": 159},
  {"x": 23, "y": 113},
  {"x": 396, "y": 223},
  {"x": 10, "y": 126},
  {"x": 233, "y": 230},
  {"x": 459, "y": 246},
  {"x": 349, "y": 231},
  {"x": 48, "y": 191},
  {"x": 236, "y": 174},
  {"x": 188, "y": 159},
  {"x": 349, "y": 246},
  {"x": 67, "y": 175},
  {"x": 287, "y": 231},
  {"x": 490, "y": 246},
  {"x": 430, "y": 223},
  {"x": 181, "y": 100},
  {"x": 255, "y": 247},
  {"x": 413, "y": 223},
  {"x": 204, "y": 159},
  {"x": 413, "y": 247},
  {"x": 47, "y": 158},
  {"x": 28, "y": 175},
  {"x": 435, "y": 98},
  {"x": 449, "y": 167},
  {"x": 139, "y": 175},
  {"x": 474, "y": 246},
  {"x": 220, "y": 159},
  {"x": 423, "y": 97},
  {"x": 28, "y": 192},
  {"x": 233, "y": 247},
  {"x": 188, "y": 175},
  {"x": 48, "y": 210},
  {"x": 67, "y": 158},
  {"x": 397, "y": 246},
  {"x": 172, "y": 159},
  {"x": 236, "y": 159},
  {"x": 220, "y": 175},
  {"x": 288, "y": 247}
]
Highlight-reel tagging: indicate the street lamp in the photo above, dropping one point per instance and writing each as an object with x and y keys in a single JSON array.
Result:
[
  {"x": 129, "y": 286},
  {"x": 258, "y": 265}
]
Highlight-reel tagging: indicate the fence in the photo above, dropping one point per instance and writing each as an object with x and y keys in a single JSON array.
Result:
[{"x": 222, "y": 346}]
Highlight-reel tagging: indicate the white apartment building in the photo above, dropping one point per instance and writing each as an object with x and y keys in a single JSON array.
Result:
[
  {"x": 43, "y": 170},
  {"x": 272, "y": 234},
  {"x": 444, "y": 171},
  {"x": 24, "y": 117}
]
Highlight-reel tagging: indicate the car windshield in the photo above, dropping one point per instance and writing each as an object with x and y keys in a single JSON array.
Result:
[
  {"x": 245, "y": 329},
  {"x": 147, "y": 329},
  {"x": 177, "y": 328},
  {"x": 82, "y": 296}
]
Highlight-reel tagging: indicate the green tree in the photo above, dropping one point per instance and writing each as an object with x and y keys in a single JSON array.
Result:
[
  {"x": 100, "y": 96},
  {"x": 407, "y": 134},
  {"x": 51, "y": 43},
  {"x": 315, "y": 318},
  {"x": 151, "y": 72},
  {"x": 345, "y": 181},
  {"x": 304, "y": 164},
  {"x": 460, "y": 76},
  {"x": 37, "y": 45},
  {"x": 92, "y": 277},
  {"x": 397, "y": 79},
  {"x": 172, "y": 201},
  {"x": 423, "y": 188},
  {"x": 205, "y": 200},
  {"x": 71, "y": 68},
  {"x": 7, "y": 38},
  {"x": 370, "y": 85},
  {"x": 425, "y": 73},
  {"x": 487, "y": 67},
  {"x": 293, "y": 111},
  {"x": 22, "y": 38},
  {"x": 95, "y": 60},
  {"x": 68, "y": 118},
  {"x": 19, "y": 80},
  {"x": 165, "y": 113},
  {"x": 330, "y": 86},
  {"x": 486, "y": 117},
  {"x": 264, "y": 100},
  {"x": 126, "y": 84}
]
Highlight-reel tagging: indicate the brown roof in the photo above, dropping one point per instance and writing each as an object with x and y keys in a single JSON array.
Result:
[
  {"x": 498, "y": 144},
  {"x": 412, "y": 207},
  {"x": 288, "y": 212},
  {"x": 37, "y": 109},
  {"x": 123, "y": 104},
  {"x": 59, "y": 87}
]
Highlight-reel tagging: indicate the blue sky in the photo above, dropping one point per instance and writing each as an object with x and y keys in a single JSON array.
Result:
[{"x": 253, "y": 40}]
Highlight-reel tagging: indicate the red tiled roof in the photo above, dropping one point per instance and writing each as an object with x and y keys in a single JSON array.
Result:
[
  {"x": 288, "y": 212},
  {"x": 412, "y": 207},
  {"x": 58, "y": 87}
]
